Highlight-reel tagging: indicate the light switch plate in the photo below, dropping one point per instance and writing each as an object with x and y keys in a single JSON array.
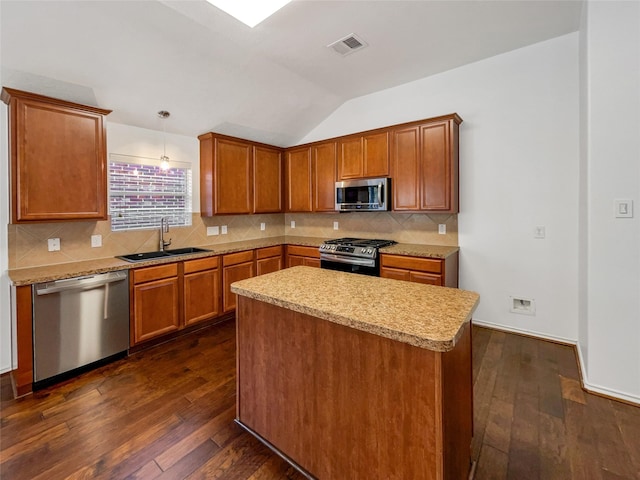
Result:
[
  {"x": 336, "y": 225},
  {"x": 293, "y": 224},
  {"x": 442, "y": 228},
  {"x": 263, "y": 226},
  {"x": 96, "y": 241},
  {"x": 224, "y": 230},
  {"x": 623, "y": 208}
]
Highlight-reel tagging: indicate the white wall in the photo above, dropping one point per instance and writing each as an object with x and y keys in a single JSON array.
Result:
[
  {"x": 5, "y": 311},
  {"x": 612, "y": 161},
  {"x": 518, "y": 169},
  {"x": 142, "y": 142}
]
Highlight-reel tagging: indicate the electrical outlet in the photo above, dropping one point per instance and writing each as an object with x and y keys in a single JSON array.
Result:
[
  {"x": 53, "y": 244},
  {"x": 442, "y": 228},
  {"x": 213, "y": 231},
  {"x": 539, "y": 232},
  {"x": 293, "y": 224},
  {"x": 335, "y": 225},
  {"x": 96, "y": 241},
  {"x": 263, "y": 226},
  {"x": 224, "y": 230}
]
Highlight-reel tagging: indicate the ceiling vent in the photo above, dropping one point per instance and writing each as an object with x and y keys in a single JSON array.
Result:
[{"x": 348, "y": 45}]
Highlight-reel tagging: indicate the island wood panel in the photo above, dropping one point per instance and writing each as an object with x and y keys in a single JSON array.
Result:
[{"x": 374, "y": 407}]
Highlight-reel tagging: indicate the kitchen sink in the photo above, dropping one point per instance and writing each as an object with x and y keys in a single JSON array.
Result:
[
  {"x": 186, "y": 251},
  {"x": 140, "y": 257}
]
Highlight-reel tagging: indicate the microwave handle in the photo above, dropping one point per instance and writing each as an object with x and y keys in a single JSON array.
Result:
[{"x": 380, "y": 195}]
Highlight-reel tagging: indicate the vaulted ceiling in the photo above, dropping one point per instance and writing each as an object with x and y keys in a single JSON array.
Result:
[{"x": 272, "y": 83}]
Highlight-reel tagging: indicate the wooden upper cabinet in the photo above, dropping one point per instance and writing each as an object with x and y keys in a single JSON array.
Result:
[
  {"x": 324, "y": 176},
  {"x": 424, "y": 165},
  {"x": 299, "y": 180},
  {"x": 238, "y": 176},
  {"x": 232, "y": 176},
  {"x": 364, "y": 156},
  {"x": 405, "y": 168},
  {"x": 58, "y": 164},
  {"x": 267, "y": 180}
]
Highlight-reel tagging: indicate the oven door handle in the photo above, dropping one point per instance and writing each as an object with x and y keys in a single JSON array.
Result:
[{"x": 351, "y": 260}]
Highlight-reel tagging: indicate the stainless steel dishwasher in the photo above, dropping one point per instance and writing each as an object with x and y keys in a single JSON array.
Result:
[{"x": 78, "y": 322}]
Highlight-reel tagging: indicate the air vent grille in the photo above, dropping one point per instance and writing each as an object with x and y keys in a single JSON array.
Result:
[{"x": 348, "y": 44}]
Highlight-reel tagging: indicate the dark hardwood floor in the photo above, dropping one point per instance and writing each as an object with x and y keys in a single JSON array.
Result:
[{"x": 167, "y": 412}]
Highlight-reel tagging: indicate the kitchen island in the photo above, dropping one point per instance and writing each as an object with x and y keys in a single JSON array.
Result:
[{"x": 349, "y": 376}]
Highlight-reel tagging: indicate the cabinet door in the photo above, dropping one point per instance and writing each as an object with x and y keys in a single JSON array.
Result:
[
  {"x": 311, "y": 262},
  {"x": 395, "y": 274},
  {"x": 268, "y": 265},
  {"x": 437, "y": 168},
  {"x": 233, "y": 186},
  {"x": 201, "y": 296},
  {"x": 58, "y": 162},
  {"x": 156, "y": 309},
  {"x": 267, "y": 180},
  {"x": 324, "y": 177},
  {"x": 376, "y": 154},
  {"x": 294, "y": 260},
  {"x": 232, "y": 274},
  {"x": 350, "y": 160},
  {"x": 299, "y": 180},
  {"x": 405, "y": 168}
]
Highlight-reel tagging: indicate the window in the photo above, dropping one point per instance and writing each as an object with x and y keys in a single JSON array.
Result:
[{"x": 141, "y": 193}]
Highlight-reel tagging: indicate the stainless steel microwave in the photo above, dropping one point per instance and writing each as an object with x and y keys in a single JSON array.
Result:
[{"x": 366, "y": 195}]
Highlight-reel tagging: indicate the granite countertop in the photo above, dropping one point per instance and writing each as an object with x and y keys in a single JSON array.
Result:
[
  {"x": 421, "y": 315},
  {"x": 49, "y": 273}
]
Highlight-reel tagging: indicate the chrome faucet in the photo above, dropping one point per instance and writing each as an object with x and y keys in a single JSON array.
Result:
[{"x": 164, "y": 228}]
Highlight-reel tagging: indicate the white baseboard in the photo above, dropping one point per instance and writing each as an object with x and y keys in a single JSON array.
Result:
[
  {"x": 589, "y": 387},
  {"x": 532, "y": 333}
]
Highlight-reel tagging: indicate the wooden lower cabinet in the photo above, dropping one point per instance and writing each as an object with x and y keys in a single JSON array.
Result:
[
  {"x": 299, "y": 255},
  {"x": 433, "y": 271},
  {"x": 235, "y": 267},
  {"x": 268, "y": 259},
  {"x": 201, "y": 283},
  {"x": 155, "y": 302}
]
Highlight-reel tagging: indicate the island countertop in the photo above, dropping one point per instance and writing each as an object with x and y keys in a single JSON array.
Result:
[{"x": 424, "y": 316}]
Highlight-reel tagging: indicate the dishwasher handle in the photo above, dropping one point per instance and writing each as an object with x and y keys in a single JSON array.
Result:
[{"x": 80, "y": 283}]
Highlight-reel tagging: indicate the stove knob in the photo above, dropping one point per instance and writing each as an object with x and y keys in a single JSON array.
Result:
[{"x": 363, "y": 250}]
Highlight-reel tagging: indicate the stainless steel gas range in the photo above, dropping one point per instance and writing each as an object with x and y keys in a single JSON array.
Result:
[{"x": 355, "y": 255}]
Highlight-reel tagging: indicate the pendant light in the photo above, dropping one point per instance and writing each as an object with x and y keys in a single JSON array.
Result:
[{"x": 164, "y": 160}]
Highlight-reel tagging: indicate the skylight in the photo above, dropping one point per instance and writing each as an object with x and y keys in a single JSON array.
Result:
[{"x": 250, "y": 12}]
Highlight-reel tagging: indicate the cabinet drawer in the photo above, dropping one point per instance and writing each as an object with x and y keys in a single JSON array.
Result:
[
  {"x": 431, "y": 265},
  {"x": 200, "y": 264},
  {"x": 268, "y": 252},
  {"x": 303, "y": 251},
  {"x": 235, "y": 258},
  {"x": 146, "y": 274}
]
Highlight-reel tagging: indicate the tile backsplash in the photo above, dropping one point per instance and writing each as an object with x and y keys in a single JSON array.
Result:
[{"x": 28, "y": 243}]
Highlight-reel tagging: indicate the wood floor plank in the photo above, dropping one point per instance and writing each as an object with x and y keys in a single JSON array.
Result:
[
  {"x": 492, "y": 464},
  {"x": 571, "y": 390},
  {"x": 195, "y": 459}
]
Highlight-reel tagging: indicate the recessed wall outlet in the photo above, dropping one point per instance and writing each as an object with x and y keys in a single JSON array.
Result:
[
  {"x": 623, "y": 208},
  {"x": 336, "y": 226},
  {"x": 224, "y": 229},
  {"x": 53, "y": 244},
  {"x": 540, "y": 231},
  {"x": 293, "y": 224},
  {"x": 526, "y": 306},
  {"x": 213, "y": 231},
  {"x": 96, "y": 241},
  {"x": 442, "y": 228},
  {"x": 263, "y": 226}
]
